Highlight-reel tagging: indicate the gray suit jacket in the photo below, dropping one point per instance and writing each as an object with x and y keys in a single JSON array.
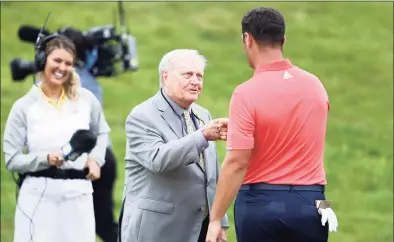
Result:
[{"x": 165, "y": 187}]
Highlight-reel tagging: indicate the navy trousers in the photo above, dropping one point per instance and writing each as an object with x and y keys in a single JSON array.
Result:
[{"x": 288, "y": 214}]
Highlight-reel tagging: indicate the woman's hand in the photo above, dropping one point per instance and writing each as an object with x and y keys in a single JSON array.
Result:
[
  {"x": 94, "y": 170},
  {"x": 55, "y": 159}
]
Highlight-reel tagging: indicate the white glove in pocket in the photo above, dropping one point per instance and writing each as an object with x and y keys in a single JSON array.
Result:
[{"x": 327, "y": 215}]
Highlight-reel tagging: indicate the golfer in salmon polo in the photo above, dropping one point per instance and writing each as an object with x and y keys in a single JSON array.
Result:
[{"x": 275, "y": 145}]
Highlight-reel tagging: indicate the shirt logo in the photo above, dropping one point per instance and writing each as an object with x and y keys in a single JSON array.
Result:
[{"x": 287, "y": 76}]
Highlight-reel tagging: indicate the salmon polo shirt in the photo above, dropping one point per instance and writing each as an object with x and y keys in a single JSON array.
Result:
[{"x": 281, "y": 114}]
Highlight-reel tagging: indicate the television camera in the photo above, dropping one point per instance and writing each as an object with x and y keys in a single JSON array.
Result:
[{"x": 99, "y": 49}]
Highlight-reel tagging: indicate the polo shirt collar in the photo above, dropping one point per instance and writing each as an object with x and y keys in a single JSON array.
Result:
[
  {"x": 62, "y": 99},
  {"x": 274, "y": 66}
]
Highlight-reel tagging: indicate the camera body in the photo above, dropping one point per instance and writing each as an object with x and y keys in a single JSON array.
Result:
[
  {"x": 115, "y": 53},
  {"x": 100, "y": 50}
]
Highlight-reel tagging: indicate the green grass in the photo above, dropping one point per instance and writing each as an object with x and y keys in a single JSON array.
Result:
[{"x": 348, "y": 45}]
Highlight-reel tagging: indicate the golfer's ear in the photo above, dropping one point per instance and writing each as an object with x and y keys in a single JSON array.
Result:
[{"x": 250, "y": 41}]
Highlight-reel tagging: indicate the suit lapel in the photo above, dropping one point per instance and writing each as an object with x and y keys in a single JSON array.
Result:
[
  {"x": 173, "y": 121},
  {"x": 168, "y": 114}
]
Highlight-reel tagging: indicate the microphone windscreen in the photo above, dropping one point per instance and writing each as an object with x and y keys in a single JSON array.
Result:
[
  {"x": 30, "y": 33},
  {"x": 83, "y": 140}
]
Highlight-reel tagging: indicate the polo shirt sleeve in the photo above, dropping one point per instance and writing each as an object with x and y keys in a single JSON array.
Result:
[{"x": 241, "y": 124}]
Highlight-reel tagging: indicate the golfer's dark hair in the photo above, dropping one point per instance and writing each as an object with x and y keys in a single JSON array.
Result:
[{"x": 265, "y": 25}]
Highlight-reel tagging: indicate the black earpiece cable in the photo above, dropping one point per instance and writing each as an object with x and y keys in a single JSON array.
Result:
[{"x": 19, "y": 181}]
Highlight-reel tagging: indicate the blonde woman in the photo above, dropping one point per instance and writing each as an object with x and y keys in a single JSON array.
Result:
[{"x": 55, "y": 200}]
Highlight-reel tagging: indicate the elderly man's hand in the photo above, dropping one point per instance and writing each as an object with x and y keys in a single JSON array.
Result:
[
  {"x": 215, "y": 232},
  {"x": 223, "y": 236},
  {"x": 216, "y": 129}
]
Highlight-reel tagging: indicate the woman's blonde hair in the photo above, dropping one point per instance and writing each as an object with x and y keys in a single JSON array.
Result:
[{"x": 73, "y": 83}]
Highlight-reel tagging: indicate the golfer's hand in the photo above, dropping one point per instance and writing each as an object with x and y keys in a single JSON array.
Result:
[
  {"x": 214, "y": 231},
  {"x": 94, "y": 170},
  {"x": 55, "y": 159},
  {"x": 328, "y": 215},
  {"x": 223, "y": 122}
]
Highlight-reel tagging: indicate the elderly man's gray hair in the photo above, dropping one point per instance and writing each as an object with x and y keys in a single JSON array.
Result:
[{"x": 170, "y": 59}]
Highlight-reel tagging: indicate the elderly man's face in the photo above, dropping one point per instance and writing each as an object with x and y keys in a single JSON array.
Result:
[{"x": 184, "y": 82}]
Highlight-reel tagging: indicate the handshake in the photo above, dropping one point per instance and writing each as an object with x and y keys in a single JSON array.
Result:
[{"x": 216, "y": 129}]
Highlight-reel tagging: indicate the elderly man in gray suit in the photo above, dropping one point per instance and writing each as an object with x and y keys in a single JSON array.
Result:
[{"x": 171, "y": 160}]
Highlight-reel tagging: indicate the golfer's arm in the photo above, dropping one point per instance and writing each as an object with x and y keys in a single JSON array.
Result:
[
  {"x": 240, "y": 142},
  {"x": 225, "y": 223},
  {"x": 231, "y": 177}
]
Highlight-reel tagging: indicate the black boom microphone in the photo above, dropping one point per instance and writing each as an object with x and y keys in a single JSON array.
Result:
[
  {"x": 30, "y": 33},
  {"x": 38, "y": 46},
  {"x": 20, "y": 68},
  {"x": 82, "y": 141}
]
